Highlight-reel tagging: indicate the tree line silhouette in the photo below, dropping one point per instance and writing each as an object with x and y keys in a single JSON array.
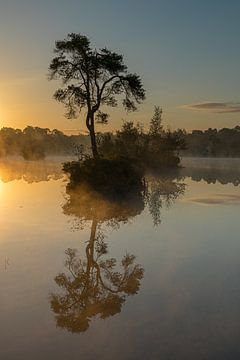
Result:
[
  {"x": 34, "y": 143},
  {"x": 156, "y": 145},
  {"x": 31, "y": 172},
  {"x": 212, "y": 142}
]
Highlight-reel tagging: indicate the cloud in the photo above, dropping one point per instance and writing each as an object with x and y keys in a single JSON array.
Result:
[{"x": 215, "y": 107}]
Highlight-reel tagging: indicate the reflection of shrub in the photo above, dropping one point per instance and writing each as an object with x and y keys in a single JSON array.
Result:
[
  {"x": 32, "y": 152},
  {"x": 110, "y": 177},
  {"x": 85, "y": 204}
]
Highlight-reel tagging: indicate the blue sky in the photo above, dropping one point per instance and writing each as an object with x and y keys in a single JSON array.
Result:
[{"x": 186, "y": 52}]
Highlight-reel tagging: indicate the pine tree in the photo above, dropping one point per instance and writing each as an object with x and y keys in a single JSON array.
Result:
[{"x": 156, "y": 126}]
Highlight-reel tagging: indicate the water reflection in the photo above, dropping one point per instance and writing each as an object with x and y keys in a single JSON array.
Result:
[
  {"x": 30, "y": 171},
  {"x": 217, "y": 199},
  {"x": 162, "y": 191},
  {"x": 84, "y": 205},
  {"x": 225, "y": 171},
  {"x": 187, "y": 304},
  {"x": 94, "y": 284}
]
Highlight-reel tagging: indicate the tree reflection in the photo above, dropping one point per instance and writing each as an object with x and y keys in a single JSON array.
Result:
[
  {"x": 30, "y": 171},
  {"x": 212, "y": 170},
  {"x": 84, "y": 205},
  {"x": 161, "y": 192},
  {"x": 95, "y": 284}
]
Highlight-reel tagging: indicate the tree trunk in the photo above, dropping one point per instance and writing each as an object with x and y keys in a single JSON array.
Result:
[
  {"x": 90, "y": 246},
  {"x": 90, "y": 126},
  {"x": 94, "y": 144},
  {"x": 90, "y": 254}
]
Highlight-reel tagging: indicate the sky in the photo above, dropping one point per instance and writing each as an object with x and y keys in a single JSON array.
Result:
[{"x": 186, "y": 52}]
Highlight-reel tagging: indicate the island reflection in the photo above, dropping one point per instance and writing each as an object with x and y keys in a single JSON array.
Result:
[
  {"x": 94, "y": 284},
  {"x": 209, "y": 170}
]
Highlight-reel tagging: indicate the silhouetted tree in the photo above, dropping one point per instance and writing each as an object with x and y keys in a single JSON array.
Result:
[
  {"x": 156, "y": 126},
  {"x": 130, "y": 141},
  {"x": 92, "y": 78},
  {"x": 212, "y": 142}
]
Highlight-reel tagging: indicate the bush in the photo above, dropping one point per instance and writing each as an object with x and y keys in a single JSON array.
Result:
[
  {"x": 113, "y": 178},
  {"x": 149, "y": 150}
]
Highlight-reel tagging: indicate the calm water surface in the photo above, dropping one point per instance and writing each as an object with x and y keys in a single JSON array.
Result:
[{"x": 153, "y": 277}]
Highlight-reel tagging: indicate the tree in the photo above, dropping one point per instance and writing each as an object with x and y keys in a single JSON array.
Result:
[
  {"x": 92, "y": 78},
  {"x": 156, "y": 127}
]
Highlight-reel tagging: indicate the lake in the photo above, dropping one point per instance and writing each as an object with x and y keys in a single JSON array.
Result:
[{"x": 156, "y": 276}]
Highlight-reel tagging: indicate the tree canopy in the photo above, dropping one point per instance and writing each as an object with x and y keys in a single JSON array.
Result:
[{"x": 92, "y": 78}]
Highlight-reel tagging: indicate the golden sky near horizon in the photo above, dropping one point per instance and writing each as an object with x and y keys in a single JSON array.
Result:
[
  {"x": 187, "y": 59},
  {"x": 28, "y": 101}
]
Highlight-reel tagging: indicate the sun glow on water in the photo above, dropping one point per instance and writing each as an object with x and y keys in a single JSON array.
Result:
[{"x": 1, "y": 184}]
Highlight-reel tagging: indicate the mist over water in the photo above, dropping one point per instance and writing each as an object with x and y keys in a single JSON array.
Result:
[{"x": 156, "y": 276}]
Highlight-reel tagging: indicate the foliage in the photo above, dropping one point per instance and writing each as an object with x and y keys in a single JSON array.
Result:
[
  {"x": 91, "y": 79},
  {"x": 35, "y": 143},
  {"x": 130, "y": 142},
  {"x": 157, "y": 149},
  {"x": 156, "y": 126},
  {"x": 214, "y": 143},
  {"x": 112, "y": 177}
]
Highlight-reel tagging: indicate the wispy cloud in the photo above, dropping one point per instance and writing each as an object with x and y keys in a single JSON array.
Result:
[{"x": 215, "y": 107}]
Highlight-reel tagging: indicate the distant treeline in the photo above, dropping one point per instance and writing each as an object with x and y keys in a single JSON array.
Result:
[
  {"x": 155, "y": 148},
  {"x": 212, "y": 142},
  {"x": 35, "y": 143}
]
